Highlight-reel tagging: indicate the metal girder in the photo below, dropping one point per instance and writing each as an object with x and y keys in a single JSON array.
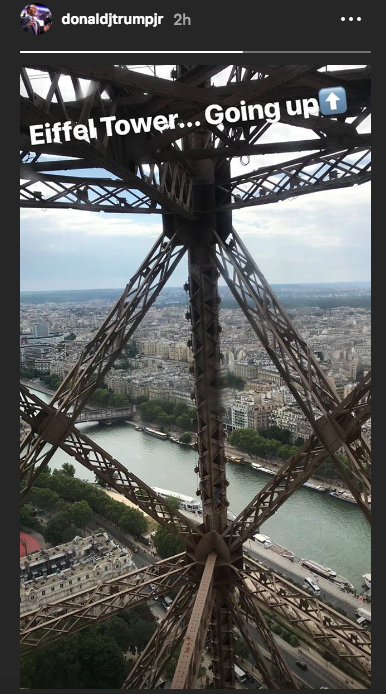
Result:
[
  {"x": 222, "y": 640},
  {"x": 167, "y": 187},
  {"x": 250, "y": 91},
  {"x": 63, "y": 617},
  {"x": 60, "y": 191},
  {"x": 189, "y": 660},
  {"x": 204, "y": 302},
  {"x": 289, "y": 353},
  {"x": 111, "y": 471},
  {"x": 244, "y": 147},
  {"x": 98, "y": 356},
  {"x": 276, "y": 675},
  {"x": 337, "y": 168},
  {"x": 337, "y": 633},
  {"x": 163, "y": 644},
  {"x": 300, "y": 467}
]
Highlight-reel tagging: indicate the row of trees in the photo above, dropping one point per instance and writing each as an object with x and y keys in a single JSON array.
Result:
[
  {"x": 265, "y": 443},
  {"x": 253, "y": 443},
  {"x": 73, "y": 503},
  {"x": 167, "y": 413},
  {"x": 93, "y": 658}
]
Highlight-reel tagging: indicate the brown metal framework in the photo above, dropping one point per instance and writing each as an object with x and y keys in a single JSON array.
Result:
[{"x": 184, "y": 175}]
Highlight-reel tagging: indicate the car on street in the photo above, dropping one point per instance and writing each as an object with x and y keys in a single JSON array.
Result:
[{"x": 302, "y": 665}]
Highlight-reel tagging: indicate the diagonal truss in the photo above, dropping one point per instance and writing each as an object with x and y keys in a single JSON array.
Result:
[
  {"x": 291, "y": 356},
  {"x": 335, "y": 168},
  {"x": 188, "y": 664},
  {"x": 75, "y": 612},
  {"x": 191, "y": 186},
  {"x": 316, "y": 620},
  {"x": 163, "y": 644},
  {"x": 111, "y": 471},
  {"x": 169, "y": 186},
  {"x": 299, "y": 468},
  {"x": 275, "y": 673},
  {"x": 97, "y": 358}
]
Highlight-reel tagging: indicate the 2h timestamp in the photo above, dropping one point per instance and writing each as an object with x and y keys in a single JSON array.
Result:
[{"x": 181, "y": 20}]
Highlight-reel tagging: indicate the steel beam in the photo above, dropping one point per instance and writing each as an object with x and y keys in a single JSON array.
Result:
[
  {"x": 313, "y": 618},
  {"x": 163, "y": 645},
  {"x": 111, "y": 471},
  {"x": 289, "y": 353},
  {"x": 188, "y": 664},
  {"x": 54, "y": 620},
  {"x": 337, "y": 168},
  {"x": 97, "y": 357},
  {"x": 276, "y": 675},
  {"x": 300, "y": 467}
]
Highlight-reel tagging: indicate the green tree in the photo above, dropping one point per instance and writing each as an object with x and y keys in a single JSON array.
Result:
[
  {"x": 241, "y": 648},
  {"x": 185, "y": 438},
  {"x": 79, "y": 513},
  {"x": 102, "y": 397},
  {"x": 184, "y": 421},
  {"x": 118, "y": 630},
  {"x": 102, "y": 662},
  {"x": 171, "y": 666},
  {"x": 173, "y": 502},
  {"x": 299, "y": 441},
  {"x": 133, "y": 522},
  {"x": 45, "y": 499},
  {"x": 118, "y": 400},
  {"x": 166, "y": 543},
  {"x": 55, "y": 528},
  {"x": 201, "y": 673},
  {"x": 68, "y": 469}
]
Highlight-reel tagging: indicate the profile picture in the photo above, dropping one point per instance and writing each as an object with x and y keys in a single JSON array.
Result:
[{"x": 35, "y": 19}]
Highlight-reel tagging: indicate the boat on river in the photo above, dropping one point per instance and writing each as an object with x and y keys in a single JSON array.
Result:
[
  {"x": 154, "y": 432},
  {"x": 318, "y": 568},
  {"x": 315, "y": 487}
]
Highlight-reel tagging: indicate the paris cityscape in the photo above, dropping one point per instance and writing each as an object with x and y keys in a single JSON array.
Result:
[
  {"x": 195, "y": 474},
  {"x": 155, "y": 368}
]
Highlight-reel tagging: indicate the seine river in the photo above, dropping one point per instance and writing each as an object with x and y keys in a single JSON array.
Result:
[{"x": 312, "y": 525}]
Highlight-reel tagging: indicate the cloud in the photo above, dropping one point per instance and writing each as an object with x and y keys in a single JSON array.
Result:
[{"x": 85, "y": 223}]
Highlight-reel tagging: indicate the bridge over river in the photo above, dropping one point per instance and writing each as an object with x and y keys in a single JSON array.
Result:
[{"x": 105, "y": 415}]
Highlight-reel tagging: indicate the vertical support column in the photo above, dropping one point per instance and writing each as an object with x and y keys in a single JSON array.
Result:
[
  {"x": 221, "y": 635},
  {"x": 204, "y": 303},
  {"x": 204, "y": 310}
]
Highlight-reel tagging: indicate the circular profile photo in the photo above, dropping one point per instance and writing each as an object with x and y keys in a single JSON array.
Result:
[{"x": 35, "y": 19}]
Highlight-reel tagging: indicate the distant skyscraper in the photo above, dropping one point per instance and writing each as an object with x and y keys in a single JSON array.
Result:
[{"x": 41, "y": 329}]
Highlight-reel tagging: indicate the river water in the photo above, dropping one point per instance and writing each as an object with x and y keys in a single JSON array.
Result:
[{"x": 312, "y": 525}]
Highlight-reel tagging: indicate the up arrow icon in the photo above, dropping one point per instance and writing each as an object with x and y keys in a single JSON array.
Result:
[{"x": 332, "y": 101}]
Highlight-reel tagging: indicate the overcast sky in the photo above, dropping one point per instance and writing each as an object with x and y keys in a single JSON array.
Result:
[{"x": 322, "y": 237}]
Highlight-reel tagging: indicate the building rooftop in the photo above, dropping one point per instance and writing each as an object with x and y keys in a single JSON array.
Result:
[{"x": 69, "y": 562}]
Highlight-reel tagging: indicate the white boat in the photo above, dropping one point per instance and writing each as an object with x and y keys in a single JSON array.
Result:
[
  {"x": 318, "y": 568},
  {"x": 367, "y": 580},
  {"x": 315, "y": 487},
  {"x": 263, "y": 539},
  {"x": 256, "y": 466},
  {"x": 189, "y": 503}
]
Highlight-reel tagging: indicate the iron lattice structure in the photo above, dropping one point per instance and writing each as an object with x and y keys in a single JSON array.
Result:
[{"x": 184, "y": 175}]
